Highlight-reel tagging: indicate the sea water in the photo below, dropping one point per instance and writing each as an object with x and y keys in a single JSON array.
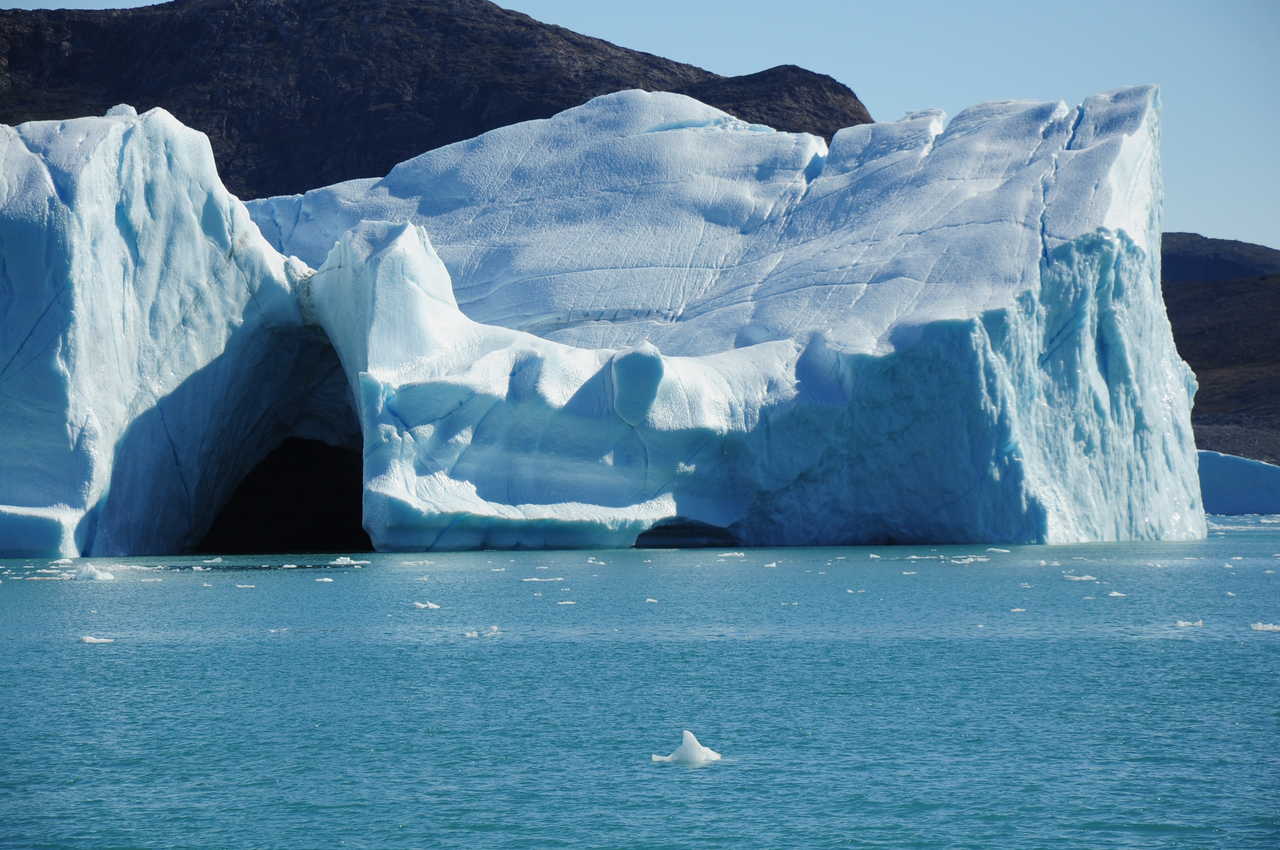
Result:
[{"x": 1012, "y": 697}]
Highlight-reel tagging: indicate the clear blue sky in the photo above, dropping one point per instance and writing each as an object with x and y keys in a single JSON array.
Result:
[{"x": 1218, "y": 64}]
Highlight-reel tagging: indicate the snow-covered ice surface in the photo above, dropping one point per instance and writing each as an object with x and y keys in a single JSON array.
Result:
[{"x": 640, "y": 312}]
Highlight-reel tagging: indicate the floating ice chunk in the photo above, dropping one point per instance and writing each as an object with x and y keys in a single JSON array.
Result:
[
  {"x": 689, "y": 752},
  {"x": 908, "y": 572},
  {"x": 492, "y": 631},
  {"x": 497, "y": 569},
  {"x": 326, "y": 579},
  {"x": 424, "y": 606},
  {"x": 1024, "y": 585},
  {"x": 1187, "y": 624},
  {"x": 1265, "y": 627},
  {"x": 344, "y": 561},
  {"x": 732, "y": 555},
  {"x": 1017, "y": 610},
  {"x": 150, "y": 579},
  {"x": 206, "y": 584},
  {"x": 246, "y": 586},
  {"x": 288, "y": 566},
  {"x": 566, "y": 602},
  {"x": 771, "y": 565},
  {"x": 1229, "y": 593},
  {"x": 1073, "y": 577},
  {"x": 471, "y": 634},
  {"x": 650, "y": 599},
  {"x": 1116, "y": 594},
  {"x": 217, "y": 560},
  {"x": 89, "y": 571},
  {"x": 996, "y": 549},
  {"x": 92, "y": 639},
  {"x": 65, "y": 561},
  {"x": 873, "y": 557},
  {"x": 558, "y": 578},
  {"x": 279, "y": 630}
]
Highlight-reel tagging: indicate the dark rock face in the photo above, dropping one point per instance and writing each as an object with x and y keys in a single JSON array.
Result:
[
  {"x": 1223, "y": 299},
  {"x": 296, "y": 94}
]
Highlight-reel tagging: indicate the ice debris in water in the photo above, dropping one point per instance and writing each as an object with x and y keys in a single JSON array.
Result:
[
  {"x": 650, "y": 599},
  {"x": 325, "y": 579},
  {"x": 89, "y": 571},
  {"x": 689, "y": 752},
  {"x": 246, "y": 586},
  {"x": 1017, "y": 610},
  {"x": 426, "y": 606},
  {"x": 1186, "y": 624},
  {"x": 345, "y": 561},
  {"x": 1265, "y": 627},
  {"x": 217, "y": 560},
  {"x": 92, "y": 639},
  {"x": 1073, "y": 577},
  {"x": 995, "y": 549},
  {"x": 1116, "y": 593}
]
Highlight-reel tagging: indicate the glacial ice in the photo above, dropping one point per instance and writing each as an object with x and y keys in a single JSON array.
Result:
[
  {"x": 690, "y": 752},
  {"x": 638, "y": 316},
  {"x": 1238, "y": 485}
]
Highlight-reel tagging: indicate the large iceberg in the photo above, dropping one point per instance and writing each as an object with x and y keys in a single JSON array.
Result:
[{"x": 638, "y": 319}]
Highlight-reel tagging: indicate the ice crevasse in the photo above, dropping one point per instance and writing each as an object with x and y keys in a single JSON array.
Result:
[{"x": 640, "y": 318}]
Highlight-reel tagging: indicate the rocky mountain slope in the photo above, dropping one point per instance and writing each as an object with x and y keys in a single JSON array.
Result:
[
  {"x": 1223, "y": 299},
  {"x": 295, "y": 94}
]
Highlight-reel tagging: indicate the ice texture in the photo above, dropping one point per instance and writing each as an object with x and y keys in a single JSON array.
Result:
[
  {"x": 639, "y": 316},
  {"x": 1238, "y": 485}
]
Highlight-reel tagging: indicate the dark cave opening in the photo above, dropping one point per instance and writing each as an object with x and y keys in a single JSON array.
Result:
[
  {"x": 681, "y": 533},
  {"x": 306, "y": 496}
]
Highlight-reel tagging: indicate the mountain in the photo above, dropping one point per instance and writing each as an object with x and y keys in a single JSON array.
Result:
[
  {"x": 1223, "y": 299},
  {"x": 295, "y": 94}
]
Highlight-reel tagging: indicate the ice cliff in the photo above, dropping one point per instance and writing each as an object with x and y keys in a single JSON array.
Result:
[{"x": 640, "y": 316}]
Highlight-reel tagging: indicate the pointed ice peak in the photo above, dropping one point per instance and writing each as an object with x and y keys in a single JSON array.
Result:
[{"x": 690, "y": 752}]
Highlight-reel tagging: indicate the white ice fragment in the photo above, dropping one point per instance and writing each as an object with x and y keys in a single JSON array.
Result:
[
  {"x": 1017, "y": 610},
  {"x": 288, "y": 566},
  {"x": 1265, "y": 627},
  {"x": 94, "y": 573},
  {"x": 771, "y": 565},
  {"x": 873, "y": 557},
  {"x": 732, "y": 555},
  {"x": 650, "y": 599},
  {"x": 217, "y": 560},
  {"x": 425, "y": 606},
  {"x": 65, "y": 561},
  {"x": 996, "y": 549},
  {"x": 472, "y": 634},
  {"x": 1073, "y": 577},
  {"x": 325, "y": 579},
  {"x": 246, "y": 586},
  {"x": 558, "y": 578},
  {"x": 566, "y": 602},
  {"x": 346, "y": 561},
  {"x": 908, "y": 572},
  {"x": 92, "y": 639},
  {"x": 689, "y": 752},
  {"x": 1187, "y": 624},
  {"x": 1116, "y": 593}
]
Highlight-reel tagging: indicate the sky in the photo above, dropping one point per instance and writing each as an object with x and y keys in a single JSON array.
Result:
[{"x": 1218, "y": 65}]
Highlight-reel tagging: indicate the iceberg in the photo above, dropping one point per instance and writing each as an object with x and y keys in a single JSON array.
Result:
[
  {"x": 638, "y": 320},
  {"x": 1238, "y": 485},
  {"x": 690, "y": 752}
]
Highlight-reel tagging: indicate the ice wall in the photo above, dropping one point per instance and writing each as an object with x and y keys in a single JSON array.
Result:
[{"x": 152, "y": 349}]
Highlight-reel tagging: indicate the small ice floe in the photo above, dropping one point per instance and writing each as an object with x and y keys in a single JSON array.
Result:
[
  {"x": 92, "y": 639},
  {"x": 92, "y": 573},
  {"x": 280, "y": 630},
  {"x": 539, "y": 593},
  {"x": 416, "y": 563},
  {"x": 246, "y": 586},
  {"x": 997, "y": 549},
  {"x": 64, "y": 561},
  {"x": 1017, "y": 610},
  {"x": 1229, "y": 593},
  {"x": 1088, "y": 597},
  {"x": 1024, "y": 585},
  {"x": 1116, "y": 594},
  {"x": 592, "y": 559},
  {"x": 1237, "y": 558},
  {"x": 842, "y": 557},
  {"x": 426, "y": 606},
  {"x": 791, "y": 604},
  {"x": 770, "y": 565},
  {"x": 471, "y": 634},
  {"x": 689, "y": 752},
  {"x": 1074, "y": 577},
  {"x": 492, "y": 631},
  {"x": 566, "y": 602},
  {"x": 150, "y": 579},
  {"x": 908, "y": 572},
  {"x": 288, "y": 566},
  {"x": 1228, "y": 566},
  {"x": 498, "y": 570},
  {"x": 1265, "y": 627},
  {"x": 732, "y": 555},
  {"x": 196, "y": 568},
  {"x": 205, "y": 584},
  {"x": 873, "y": 557},
  {"x": 650, "y": 599},
  {"x": 345, "y": 561},
  {"x": 326, "y": 579},
  {"x": 217, "y": 560},
  {"x": 558, "y": 578},
  {"x": 423, "y": 578},
  {"x": 1188, "y": 624}
]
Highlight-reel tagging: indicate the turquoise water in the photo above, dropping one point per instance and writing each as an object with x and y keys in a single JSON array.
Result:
[{"x": 894, "y": 702}]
